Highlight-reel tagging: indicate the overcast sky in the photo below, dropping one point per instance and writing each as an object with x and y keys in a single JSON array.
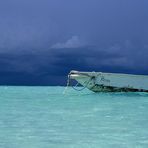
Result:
[{"x": 42, "y": 40}]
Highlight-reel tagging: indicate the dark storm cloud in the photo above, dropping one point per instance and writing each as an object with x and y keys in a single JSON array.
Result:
[
  {"x": 46, "y": 68},
  {"x": 41, "y": 41}
]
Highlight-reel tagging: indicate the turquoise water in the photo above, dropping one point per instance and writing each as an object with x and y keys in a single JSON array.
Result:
[{"x": 44, "y": 117}]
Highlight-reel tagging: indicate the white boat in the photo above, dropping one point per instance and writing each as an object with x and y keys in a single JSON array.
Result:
[{"x": 110, "y": 82}]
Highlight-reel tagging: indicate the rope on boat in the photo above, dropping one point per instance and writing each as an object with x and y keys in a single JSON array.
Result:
[
  {"x": 75, "y": 87},
  {"x": 68, "y": 84}
]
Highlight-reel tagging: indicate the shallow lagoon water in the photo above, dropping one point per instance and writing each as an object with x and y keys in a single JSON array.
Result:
[{"x": 44, "y": 117}]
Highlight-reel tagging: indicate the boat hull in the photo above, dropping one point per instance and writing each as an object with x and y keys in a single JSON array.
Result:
[{"x": 111, "y": 82}]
